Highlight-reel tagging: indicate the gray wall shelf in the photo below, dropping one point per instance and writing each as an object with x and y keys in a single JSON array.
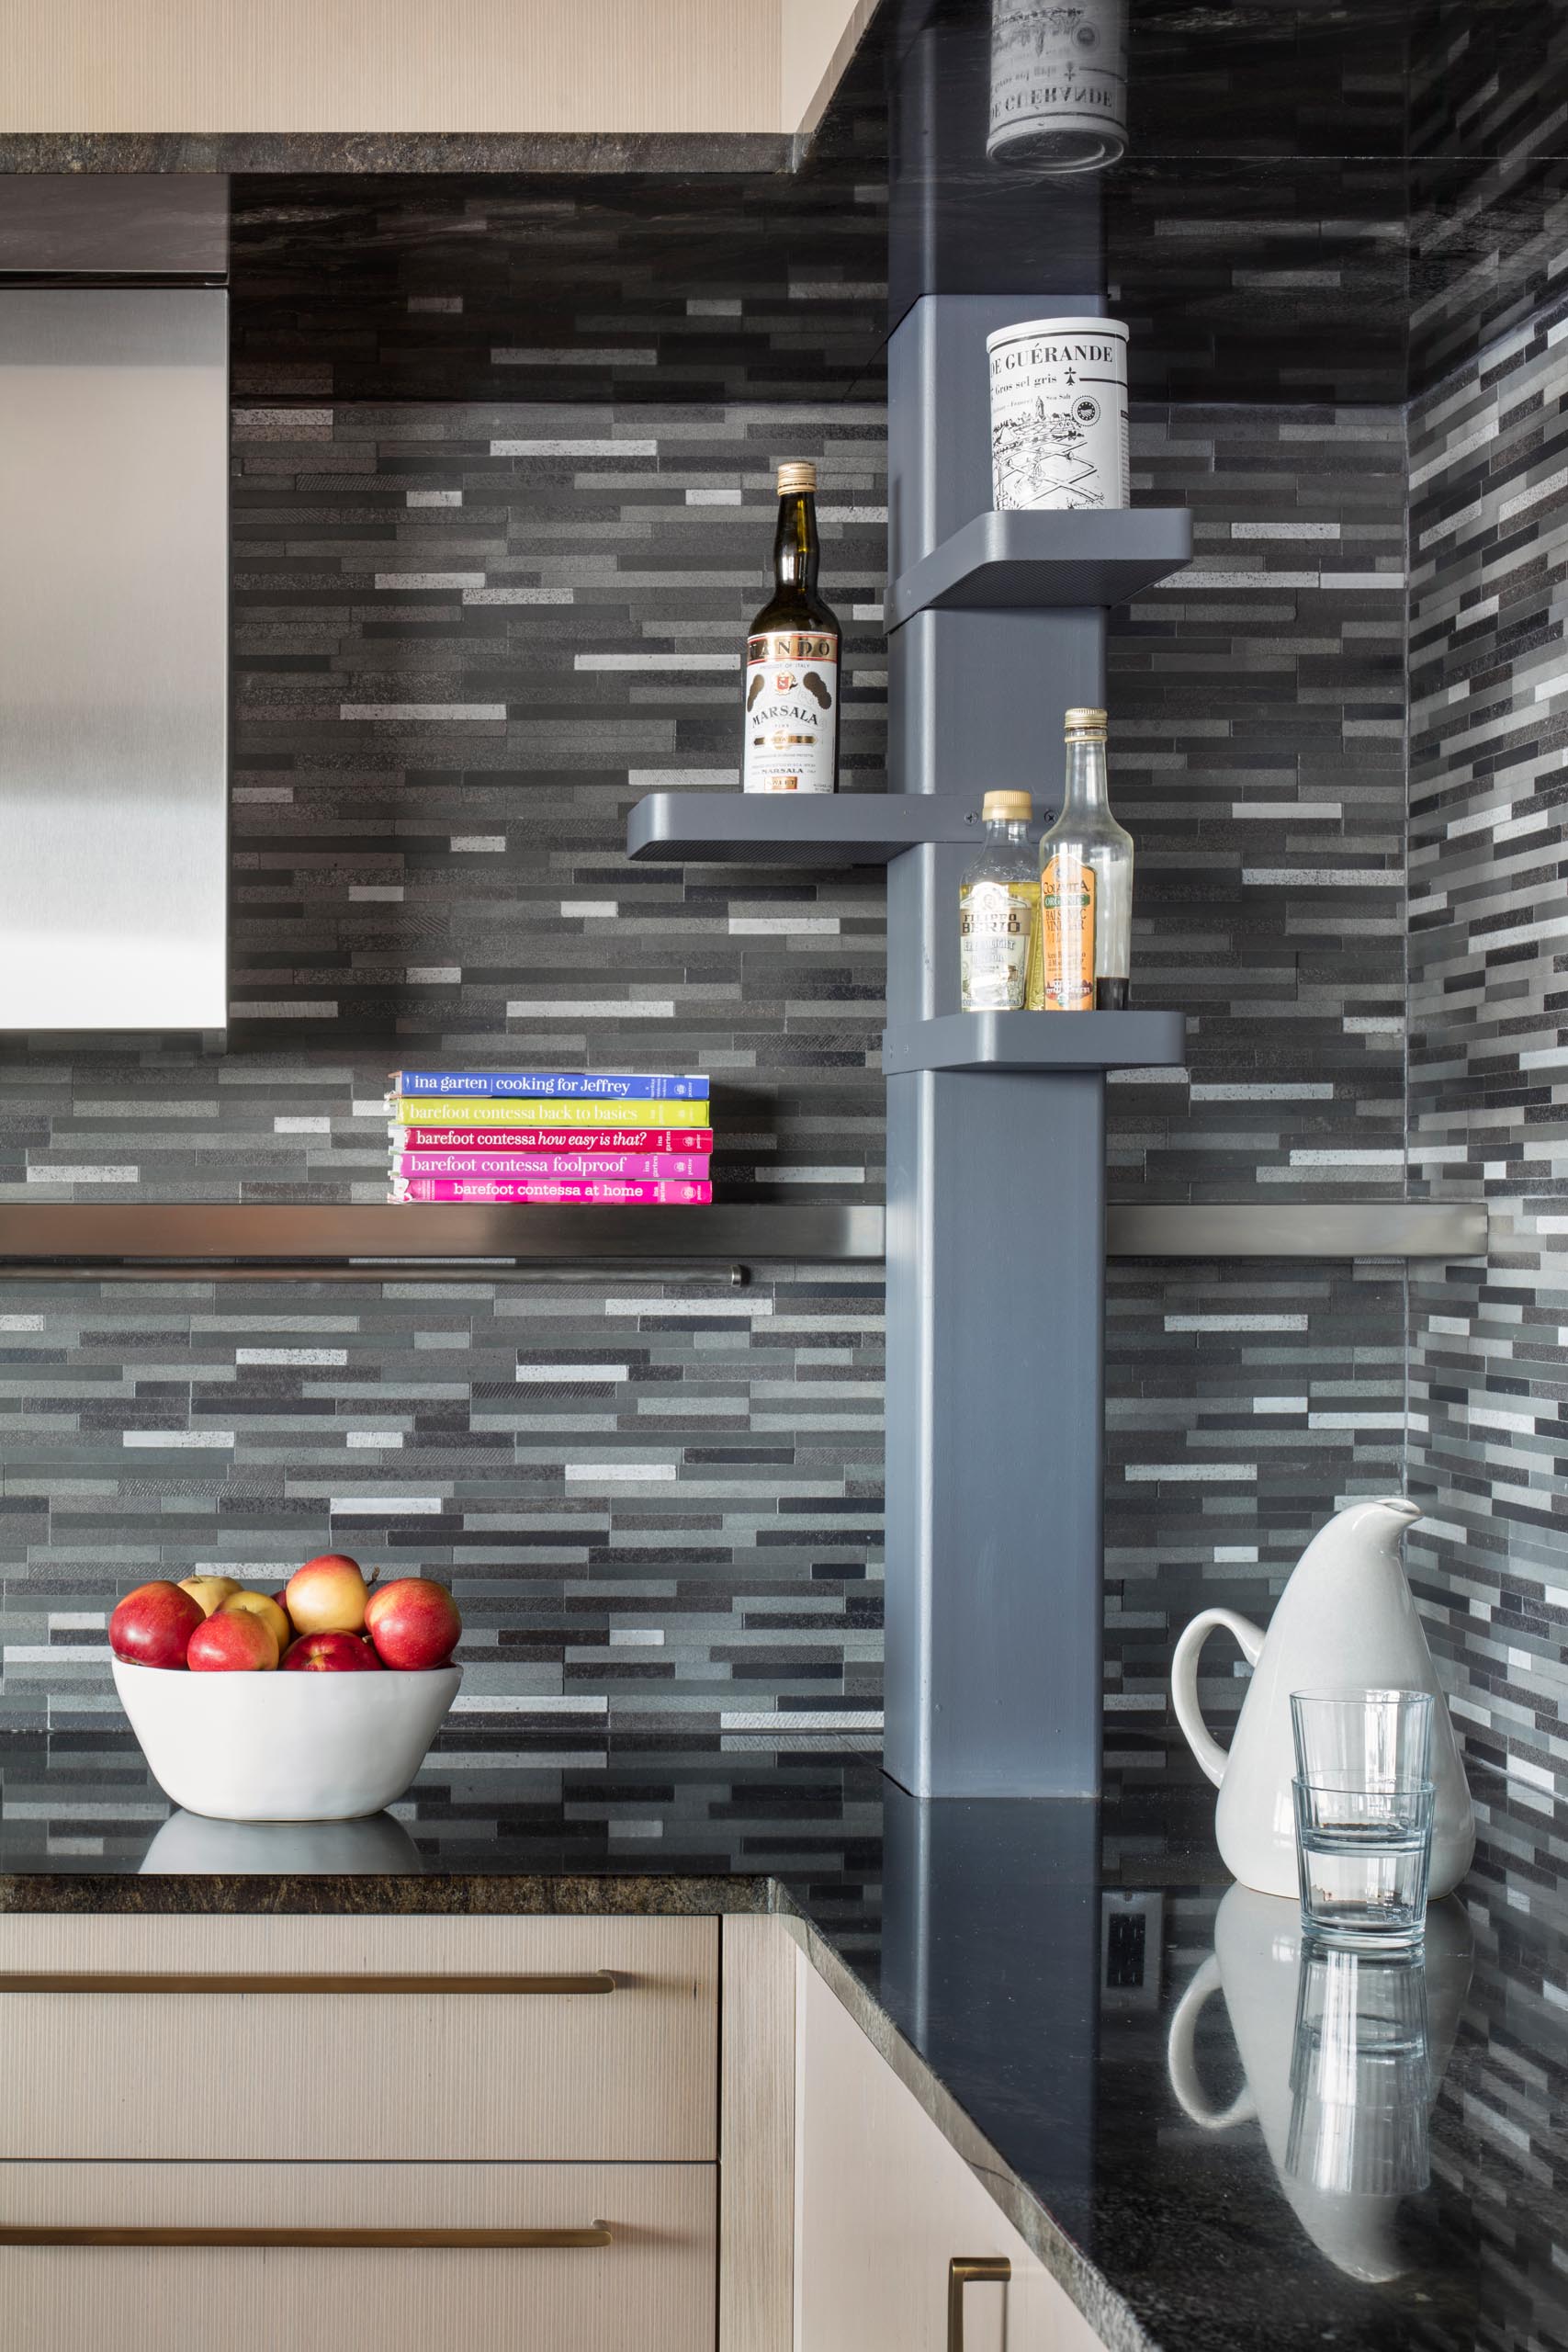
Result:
[
  {"x": 1035, "y": 1041},
  {"x": 791, "y": 829},
  {"x": 1038, "y": 561}
]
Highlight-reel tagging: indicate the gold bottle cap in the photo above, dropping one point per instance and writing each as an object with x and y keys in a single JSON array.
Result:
[
  {"x": 1078, "y": 723},
  {"x": 1010, "y": 807},
  {"x": 798, "y": 474}
]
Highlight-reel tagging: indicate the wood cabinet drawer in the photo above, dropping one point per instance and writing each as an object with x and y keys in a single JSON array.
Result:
[
  {"x": 650, "y": 2288},
  {"x": 884, "y": 2204},
  {"x": 623, "y": 2065}
]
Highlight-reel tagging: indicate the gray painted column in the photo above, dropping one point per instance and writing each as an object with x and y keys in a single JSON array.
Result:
[{"x": 995, "y": 1179}]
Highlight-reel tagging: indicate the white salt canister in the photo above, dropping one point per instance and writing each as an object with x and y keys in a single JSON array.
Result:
[
  {"x": 1059, "y": 414},
  {"x": 1058, "y": 84}
]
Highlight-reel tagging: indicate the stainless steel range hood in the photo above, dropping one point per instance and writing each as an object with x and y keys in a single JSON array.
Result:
[{"x": 114, "y": 692}]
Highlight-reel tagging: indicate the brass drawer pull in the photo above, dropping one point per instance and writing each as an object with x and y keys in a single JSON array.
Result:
[
  {"x": 970, "y": 2270},
  {"x": 592, "y": 1980},
  {"x": 598, "y": 2233}
]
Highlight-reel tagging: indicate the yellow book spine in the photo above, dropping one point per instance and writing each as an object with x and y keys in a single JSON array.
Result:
[{"x": 537, "y": 1110}]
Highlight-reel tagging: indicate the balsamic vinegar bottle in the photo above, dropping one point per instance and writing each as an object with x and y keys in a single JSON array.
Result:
[{"x": 790, "y": 730}]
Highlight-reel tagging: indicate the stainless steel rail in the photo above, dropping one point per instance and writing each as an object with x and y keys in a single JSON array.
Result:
[{"x": 147, "y": 1241}]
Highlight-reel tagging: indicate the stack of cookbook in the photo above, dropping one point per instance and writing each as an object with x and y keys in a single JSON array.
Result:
[{"x": 549, "y": 1136}]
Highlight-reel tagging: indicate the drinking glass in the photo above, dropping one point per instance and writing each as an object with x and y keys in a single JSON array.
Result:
[
  {"x": 1363, "y": 1805},
  {"x": 1376, "y": 1738}
]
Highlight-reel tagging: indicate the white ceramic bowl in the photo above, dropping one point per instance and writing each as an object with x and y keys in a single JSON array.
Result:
[{"x": 284, "y": 1747}]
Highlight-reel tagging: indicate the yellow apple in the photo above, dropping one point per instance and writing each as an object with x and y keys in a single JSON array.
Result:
[
  {"x": 262, "y": 1605},
  {"x": 327, "y": 1595},
  {"x": 209, "y": 1592}
]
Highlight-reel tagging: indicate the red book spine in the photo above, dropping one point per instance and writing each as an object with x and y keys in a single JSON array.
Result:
[{"x": 592, "y": 1140}]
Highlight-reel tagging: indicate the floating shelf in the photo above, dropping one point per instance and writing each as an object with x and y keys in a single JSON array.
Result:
[
  {"x": 146, "y": 1241},
  {"x": 798, "y": 829},
  {"x": 379, "y": 1239},
  {"x": 1035, "y": 1041},
  {"x": 1000, "y": 562}
]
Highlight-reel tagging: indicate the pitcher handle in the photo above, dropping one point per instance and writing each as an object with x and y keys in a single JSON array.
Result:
[
  {"x": 1184, "y": 1683},
  {"x": 1181, "y": 2066}
]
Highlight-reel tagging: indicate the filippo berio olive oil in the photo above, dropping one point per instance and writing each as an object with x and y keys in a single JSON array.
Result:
[{"x": 790, "y": 734}]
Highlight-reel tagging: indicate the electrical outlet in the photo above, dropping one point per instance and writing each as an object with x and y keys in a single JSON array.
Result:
[{"x": 1130, "y": 1933}]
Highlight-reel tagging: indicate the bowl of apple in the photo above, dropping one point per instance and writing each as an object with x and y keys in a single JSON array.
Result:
[{"x": 318, "y": 1702}]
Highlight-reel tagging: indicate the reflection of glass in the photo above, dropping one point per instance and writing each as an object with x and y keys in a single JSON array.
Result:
[
  {"x": 1361, "y": 2075},
  {"x": 1058, "y": 84},
  {"x": 1343, "y": 2053},
  {"x": 1363, "y": 1812}
]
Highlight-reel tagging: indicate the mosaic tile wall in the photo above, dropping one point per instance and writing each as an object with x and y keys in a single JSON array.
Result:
[
  {"x": 1258, "y": 704},
  {"x": 456, "y": 667},
  {"x": 1488, "y": 1063}
]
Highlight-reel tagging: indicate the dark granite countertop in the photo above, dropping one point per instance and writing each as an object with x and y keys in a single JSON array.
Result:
[{"x": 1038, "y": 1972}]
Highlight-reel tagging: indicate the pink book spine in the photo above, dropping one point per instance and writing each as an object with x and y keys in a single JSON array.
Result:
[
  {"x": 544, "y": 1188},
  {"x": 626, "y": 1166},
  {"x": 592, "y": 1141}
]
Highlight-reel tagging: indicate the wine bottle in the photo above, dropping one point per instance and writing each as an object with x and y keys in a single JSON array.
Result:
[{"x": 790, "y": 728}]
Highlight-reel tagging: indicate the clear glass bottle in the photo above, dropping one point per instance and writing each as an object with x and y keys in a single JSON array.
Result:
[
  {"x": 790, "y": 728},
  {"x": 998, "y": 909},
  {"x": 1086, "y": 885}
]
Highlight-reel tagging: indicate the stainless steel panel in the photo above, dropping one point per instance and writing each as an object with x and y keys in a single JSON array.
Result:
[
  {"x": 114, "y": 224},
  {"x": 1300, "y": 1229},
  {"x": 114, "y": 457},
  {"x": 365, "y": 1239}
]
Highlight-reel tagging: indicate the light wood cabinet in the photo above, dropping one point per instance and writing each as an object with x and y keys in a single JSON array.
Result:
[
  {"x": 650, "y": 2288},
  {"x": 883, "y": 2203},
  {"x": 201, "y": 2067}
]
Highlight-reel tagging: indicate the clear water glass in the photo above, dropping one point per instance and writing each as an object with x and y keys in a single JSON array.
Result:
[
  {"x": 1375, "y": 1738},
  {"x": 1364, "y": 1857}
]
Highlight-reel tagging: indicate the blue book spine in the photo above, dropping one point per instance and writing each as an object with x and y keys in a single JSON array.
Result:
[{"x": 588, "y": 1085}]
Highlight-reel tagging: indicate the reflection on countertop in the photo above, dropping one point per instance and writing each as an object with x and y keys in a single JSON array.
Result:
[{"x": 1320, "y": 2155}]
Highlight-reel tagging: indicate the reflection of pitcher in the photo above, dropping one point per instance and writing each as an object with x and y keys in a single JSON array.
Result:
[{"x": 1343, "y": 2056}]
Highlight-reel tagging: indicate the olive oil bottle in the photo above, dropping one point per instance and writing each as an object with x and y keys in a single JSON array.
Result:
[
  {"x": 1086, "y": 885},
  {"x": 790, "y": 728}
]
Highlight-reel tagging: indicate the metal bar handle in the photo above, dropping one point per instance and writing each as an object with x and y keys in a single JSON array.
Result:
[
  {"x": 597, "y": 2233},
  {"x": 592, "y": 1980},
  {"x": 970, "y": 2270}
]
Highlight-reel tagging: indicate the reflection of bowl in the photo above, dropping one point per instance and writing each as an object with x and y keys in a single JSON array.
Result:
[
  {"x": 192, "y": 1845},
  {"x": 285, "y": 1747}
]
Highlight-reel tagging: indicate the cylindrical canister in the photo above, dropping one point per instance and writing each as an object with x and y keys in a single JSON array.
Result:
[
  {"x": 1059, "y": 414},
  {"x": 1058, "y": 84}
]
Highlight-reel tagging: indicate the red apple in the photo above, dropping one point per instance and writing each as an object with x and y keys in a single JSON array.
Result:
[
  {"x": 414, "y": 1623},
  {"x": 233, "y": 1642},
  {"x": 153, "y": 1626},
  {"x": 330, "y": 1654},
  {"x": 326, "y": 1596}
]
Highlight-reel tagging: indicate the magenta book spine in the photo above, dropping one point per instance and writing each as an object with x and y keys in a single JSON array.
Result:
[
  {"x": 625, "y": 1167},
  {"x": 589, "y": 1141},
  {"x": 602, "y": 1190}
]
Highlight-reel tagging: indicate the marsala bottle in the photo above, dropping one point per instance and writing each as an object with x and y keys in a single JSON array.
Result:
[
  {"x": 1086, "y": 885},
  {"x": 790, "y": 731}
]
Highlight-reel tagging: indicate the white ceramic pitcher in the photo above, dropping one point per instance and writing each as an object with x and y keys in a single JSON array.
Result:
[{"x": 1345, "y": 1620}]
